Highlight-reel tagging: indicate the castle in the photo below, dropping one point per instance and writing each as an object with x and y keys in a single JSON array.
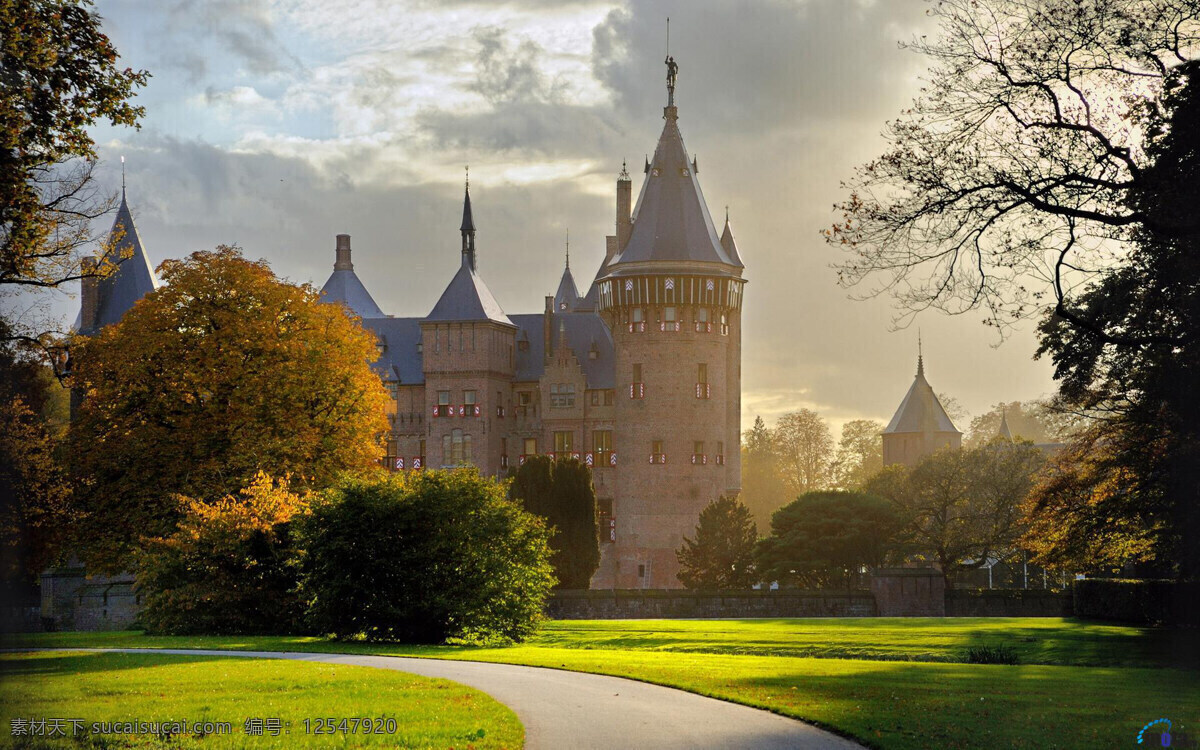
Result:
[{"x": 639, "y": 377}]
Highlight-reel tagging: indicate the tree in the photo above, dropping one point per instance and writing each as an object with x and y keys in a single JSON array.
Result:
[
  {"x": 763, "y": 490},
  {"x": 1010, "y": 180},
  {"x": 962, "y": 507},
  {"x": 561, "y": 492},
  {"x": 1138, "y": 463},
  {"x": 1037, "y": 422},
  {"x": 59, "y": 79},
  {"x": 224, "y": 372},
  {"x": 35, "y": 507},
  {"x": 424, "y": 557},
  {"x": 859, "y": 453},
  {"x": 824, "y": 537},
  {"x": 722, "y": 555},
  {"x": 230, "y": 566},
  {"x": 804, "y": 446}
]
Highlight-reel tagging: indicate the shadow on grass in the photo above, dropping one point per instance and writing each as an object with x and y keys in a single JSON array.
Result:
[{"x": 36, "y": 663}]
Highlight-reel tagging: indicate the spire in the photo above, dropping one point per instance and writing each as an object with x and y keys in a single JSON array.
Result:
[
  {"x": 728, "y": 243},
  {"x": 920, "y": 358},
  {"x": 468, "y": 226},
  {"x": 344, "y": 286},
  {"x": 130, "y": 276},
  {"x": 1004, "y": 432},
  {"x": 122, "y": 178},
  {"x": 568, "y": 249},
  {"x": 567, "y": 297}
]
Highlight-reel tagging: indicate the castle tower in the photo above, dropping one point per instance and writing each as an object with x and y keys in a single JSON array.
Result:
[
  {"x": 104, "y": 299},
  {"x": 920, "y": 426},
  {"x": 468, "y": 358},
  {"x": 672, "y": 298}
]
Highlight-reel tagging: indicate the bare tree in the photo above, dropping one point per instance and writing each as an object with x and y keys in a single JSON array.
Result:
[
  {"x": 1006, "y": 185},
  {"x": 804, "y": 446}
]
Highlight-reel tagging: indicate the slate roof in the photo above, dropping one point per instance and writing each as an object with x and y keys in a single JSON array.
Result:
[
  {"x": 568, "y": 293},
  {"x": 671, "y": 220},
  {"x": 467, "y": 297},
  {"x": 345, "y": 287},
  {"x": 134, "y": 277},
  {"x": 583, "y": 329},
  {"x": 920, "y": 410},
  {"x": 399, "y": 361}
]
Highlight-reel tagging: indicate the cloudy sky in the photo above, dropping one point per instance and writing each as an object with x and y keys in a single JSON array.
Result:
[{"x": 276, "y": 124}]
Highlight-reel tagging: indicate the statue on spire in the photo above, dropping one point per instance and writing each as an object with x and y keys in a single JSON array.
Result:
[{"x": 672, "y": 74}]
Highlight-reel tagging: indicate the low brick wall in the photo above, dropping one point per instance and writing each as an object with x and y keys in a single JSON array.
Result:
[
  {"x": 1008, "y": 603},
  {"x": 635, "y": 604}
]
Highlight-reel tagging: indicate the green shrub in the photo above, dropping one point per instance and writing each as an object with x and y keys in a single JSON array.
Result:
[
  {"x": 992, "y": 655},
  {"x": 229, "y": 568},
  {"x": 561, "y": 492},
  {"x": 425, "y": 557}
]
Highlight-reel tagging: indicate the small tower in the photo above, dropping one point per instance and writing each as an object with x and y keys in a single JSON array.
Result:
[
  {"x": 468, "y": 357},
  {"x": 920, "y": 426},
  {"x": 672, "y": 298},
  {"x": 1004, "y": 433},
  {"x": 567, "y": 298}
]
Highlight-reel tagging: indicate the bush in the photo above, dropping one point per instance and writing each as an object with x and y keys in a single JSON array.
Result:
[
  {"x": 425, "y": 557},
  {"x": 992, "y": 655},
  {"x": 229, "y": 568}
]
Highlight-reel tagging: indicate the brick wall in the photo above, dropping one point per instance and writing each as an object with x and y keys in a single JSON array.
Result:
[{"x": 1008, "y": 603}]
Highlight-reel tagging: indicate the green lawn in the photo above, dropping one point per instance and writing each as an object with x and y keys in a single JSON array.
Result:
[
  {"x": 428, "y": 713},
  {"x": 891, "y": 683}
]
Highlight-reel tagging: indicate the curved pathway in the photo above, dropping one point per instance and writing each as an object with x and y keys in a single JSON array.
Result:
[{"x": 577, "y": 710}]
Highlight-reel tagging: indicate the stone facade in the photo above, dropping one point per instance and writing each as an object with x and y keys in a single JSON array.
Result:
[
  {"x": 920, "y": 426},
  {"x": 640, "y": 377}
]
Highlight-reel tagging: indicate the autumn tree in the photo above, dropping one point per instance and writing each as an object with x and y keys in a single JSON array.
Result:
[
  {"x": 804, "y": 447},
  {"x": 35, "y": 507},
  {"x": 961, "y": 507},
  {"x": 721, "y": 557},
  {"x": 58, "y": 79},
  {"x": 1037, "y": 422},
  {"x": 561, "y": 492},
  {"x": 224, "y": 372},
  {"x": 822, "y": 538},
  {"x": 859, "y": 453},
  {"x": 229, "y": 567},
  {"x": 763, "y": 490}
]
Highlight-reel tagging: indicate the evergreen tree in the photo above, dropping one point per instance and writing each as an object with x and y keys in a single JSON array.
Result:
[
  {"x": 562, "y": 493},
  {"x": 722, "y": 554},
  {"x": 763, "y": 491}
]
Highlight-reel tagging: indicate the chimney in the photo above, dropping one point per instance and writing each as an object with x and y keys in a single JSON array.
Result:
[
  {"x": 624, "y": 209},
  {"x": 342, "y": 254},
  {"x": 89, "y": 296},
  {"x": 548, "y": 326}
]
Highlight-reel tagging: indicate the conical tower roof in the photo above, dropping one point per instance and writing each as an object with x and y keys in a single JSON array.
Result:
[
  {"x": 727, "y": 242},
  {"x": 467, "y": 297},
  {"x": 345, "y": 287},
  {"x": 133, "y": 278},
  {"x": 1004, "y": 431},
  {"x": 567, "y": 297},
  {"x": 672, "y": 224},
  {"x": 921, "y": 411}
]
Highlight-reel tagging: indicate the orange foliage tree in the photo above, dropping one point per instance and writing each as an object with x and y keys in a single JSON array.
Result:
[
  {"x": 228, "y": 568},
  {"x": 224, "y": 372}
]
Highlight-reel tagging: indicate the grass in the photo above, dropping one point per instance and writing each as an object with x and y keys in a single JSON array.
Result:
[
  {"x": 429, "y": 713},
  {"x": 889, "y": 683}
]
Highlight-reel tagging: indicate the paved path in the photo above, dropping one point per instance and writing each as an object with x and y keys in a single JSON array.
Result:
[{"x": 576, "y": 711}]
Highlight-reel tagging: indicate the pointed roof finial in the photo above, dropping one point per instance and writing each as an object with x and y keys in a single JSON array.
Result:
[
  {"x": 467, "y": 169},
  {"x": 122, "y": 176},
  {"x": 468, "y": 222},
  {"x": 624, "y": 171},
  {"x": 726, "y": 213},
  {"x": 920, "y": 357},
  {"x": 568, "y": 249}
]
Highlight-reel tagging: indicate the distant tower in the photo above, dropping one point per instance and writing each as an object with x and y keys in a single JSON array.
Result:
[
  {"x": 672, "y": 297},
  {"x": 920, "y": 426}
]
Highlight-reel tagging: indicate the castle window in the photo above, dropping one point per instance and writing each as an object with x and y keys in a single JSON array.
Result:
[
  {"x": 638, "y": 324},
  {"x": 703, "y": 390},
  {"x": 657, "y": 456},
  {"x": 524, "y": 398},
  {"x": 602, "y": 446},
  {"x": 724, "y": 324},
  {"x": 443, "y": 408},
  {"x": 562, "y": 395},
  {"x": 563, "y": 444},
  {"x": 637, "y": 389},
  {"x": 530, "y": 448},
  {"x": 470, "y": 408},
  {"x": 456, "y": 448},
  {"x": 720, "y": 453},
  {"x": 702, "y": 323},
  {"x": 669, "y": 321},
  {"x": 604, "y": 510},
  {"x": 608, "y": 397},
  {"x": 699, "y": 457}
]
